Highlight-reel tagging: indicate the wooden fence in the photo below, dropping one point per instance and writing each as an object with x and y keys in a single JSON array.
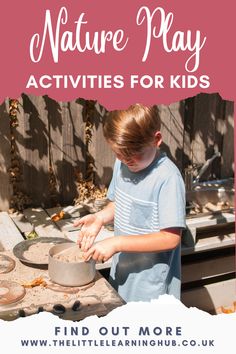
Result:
[{"x": 55, "y": 141}]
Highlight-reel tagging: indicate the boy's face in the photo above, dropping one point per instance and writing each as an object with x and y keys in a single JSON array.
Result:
[{"x": 140, "y": 160}]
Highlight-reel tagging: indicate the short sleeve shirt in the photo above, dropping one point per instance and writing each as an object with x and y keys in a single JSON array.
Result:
[{"x": 147, "y": 202}]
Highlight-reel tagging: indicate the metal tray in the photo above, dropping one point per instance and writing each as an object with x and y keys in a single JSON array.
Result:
[{"x": 23, "y": 246}]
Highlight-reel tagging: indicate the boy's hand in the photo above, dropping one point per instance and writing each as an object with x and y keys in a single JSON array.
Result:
[
  {"x": 90, "y": 226},
  {"x": 103, "y": 250}
]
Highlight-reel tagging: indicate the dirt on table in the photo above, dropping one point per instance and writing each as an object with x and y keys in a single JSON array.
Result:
[
  {"x": 96, "y": 298},
  {"x": 24, "y": 274}
]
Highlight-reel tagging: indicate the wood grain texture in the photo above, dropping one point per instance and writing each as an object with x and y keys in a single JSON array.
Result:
[
  {"x": 204, "y": 269},
  {"x": 211, "y": 296},
  {"x": 9, "y": 234},
  {"x": 172, "y": 128},
  {"x": 33, "y": 143},
  {"x": 228, "y": 142},
  {"x": 52, "y": 133},
  {"x": 210, "y": 243},
  {"x": 42, "y": 223},
  {"x": 5, "y": 158}
]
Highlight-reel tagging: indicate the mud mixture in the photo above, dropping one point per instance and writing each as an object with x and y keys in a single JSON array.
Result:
[
  {"x": 38, "y": 252},
  {"x": 71, "y": 254}
]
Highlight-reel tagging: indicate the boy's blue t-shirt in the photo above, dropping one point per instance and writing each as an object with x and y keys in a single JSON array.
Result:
[{"x": 146, "y": 202}]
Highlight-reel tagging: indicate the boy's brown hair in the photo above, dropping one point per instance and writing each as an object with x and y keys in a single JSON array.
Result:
[{"x": 133, "y": 129}]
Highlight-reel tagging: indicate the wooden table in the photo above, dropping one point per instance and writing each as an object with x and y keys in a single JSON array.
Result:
[
  {"x": 97, "y": 298},
  {"x": 206, "y": 234}
]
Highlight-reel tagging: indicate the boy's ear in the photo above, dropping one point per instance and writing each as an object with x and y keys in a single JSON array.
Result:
[{"x": 158, "y": 138}]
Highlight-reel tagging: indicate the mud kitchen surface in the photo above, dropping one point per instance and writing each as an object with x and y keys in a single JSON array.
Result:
[
  {"x": 27, "y": 289},
  {"x": 208, "y": 259}
]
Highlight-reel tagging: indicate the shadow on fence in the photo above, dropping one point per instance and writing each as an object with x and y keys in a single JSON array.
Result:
[{"x": 57, "y": 141}]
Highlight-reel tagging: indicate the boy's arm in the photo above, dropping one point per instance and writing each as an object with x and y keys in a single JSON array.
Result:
[
  {"x": 107, "y": 213},
  {"x": 161, "y": 241}
]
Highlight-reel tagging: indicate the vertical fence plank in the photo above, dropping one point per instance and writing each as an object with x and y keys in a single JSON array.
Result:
[
  {"x": 203, "y": 128},
  {"x": 228, "y": 142},
  {"x": 5, "y": 158},
  {"x": 208, "y": 136},
  {"x": 172, "y": 127},
  {"x": 73, "y": 148},
  {"x": 33, "y": 143},
  {"x": 189, "y": 106},
  {"x": 100, "y": 150},
  {"x": 53, "y": 114}
]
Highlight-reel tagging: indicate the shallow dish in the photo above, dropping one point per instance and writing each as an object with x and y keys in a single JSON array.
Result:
[{"x": 23, "y": 246}]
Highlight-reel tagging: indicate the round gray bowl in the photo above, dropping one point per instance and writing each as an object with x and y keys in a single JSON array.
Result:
[{"x": 69, "y": 274}]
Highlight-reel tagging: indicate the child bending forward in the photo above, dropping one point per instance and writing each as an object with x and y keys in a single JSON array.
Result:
[{"x": 147, "y": 204}]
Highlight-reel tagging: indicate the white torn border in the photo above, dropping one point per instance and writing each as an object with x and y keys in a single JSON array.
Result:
[{"x": 146, "y": 324}]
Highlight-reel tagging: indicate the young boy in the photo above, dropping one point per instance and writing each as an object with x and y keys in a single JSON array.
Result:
[{"x": 147, "y": 204}]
